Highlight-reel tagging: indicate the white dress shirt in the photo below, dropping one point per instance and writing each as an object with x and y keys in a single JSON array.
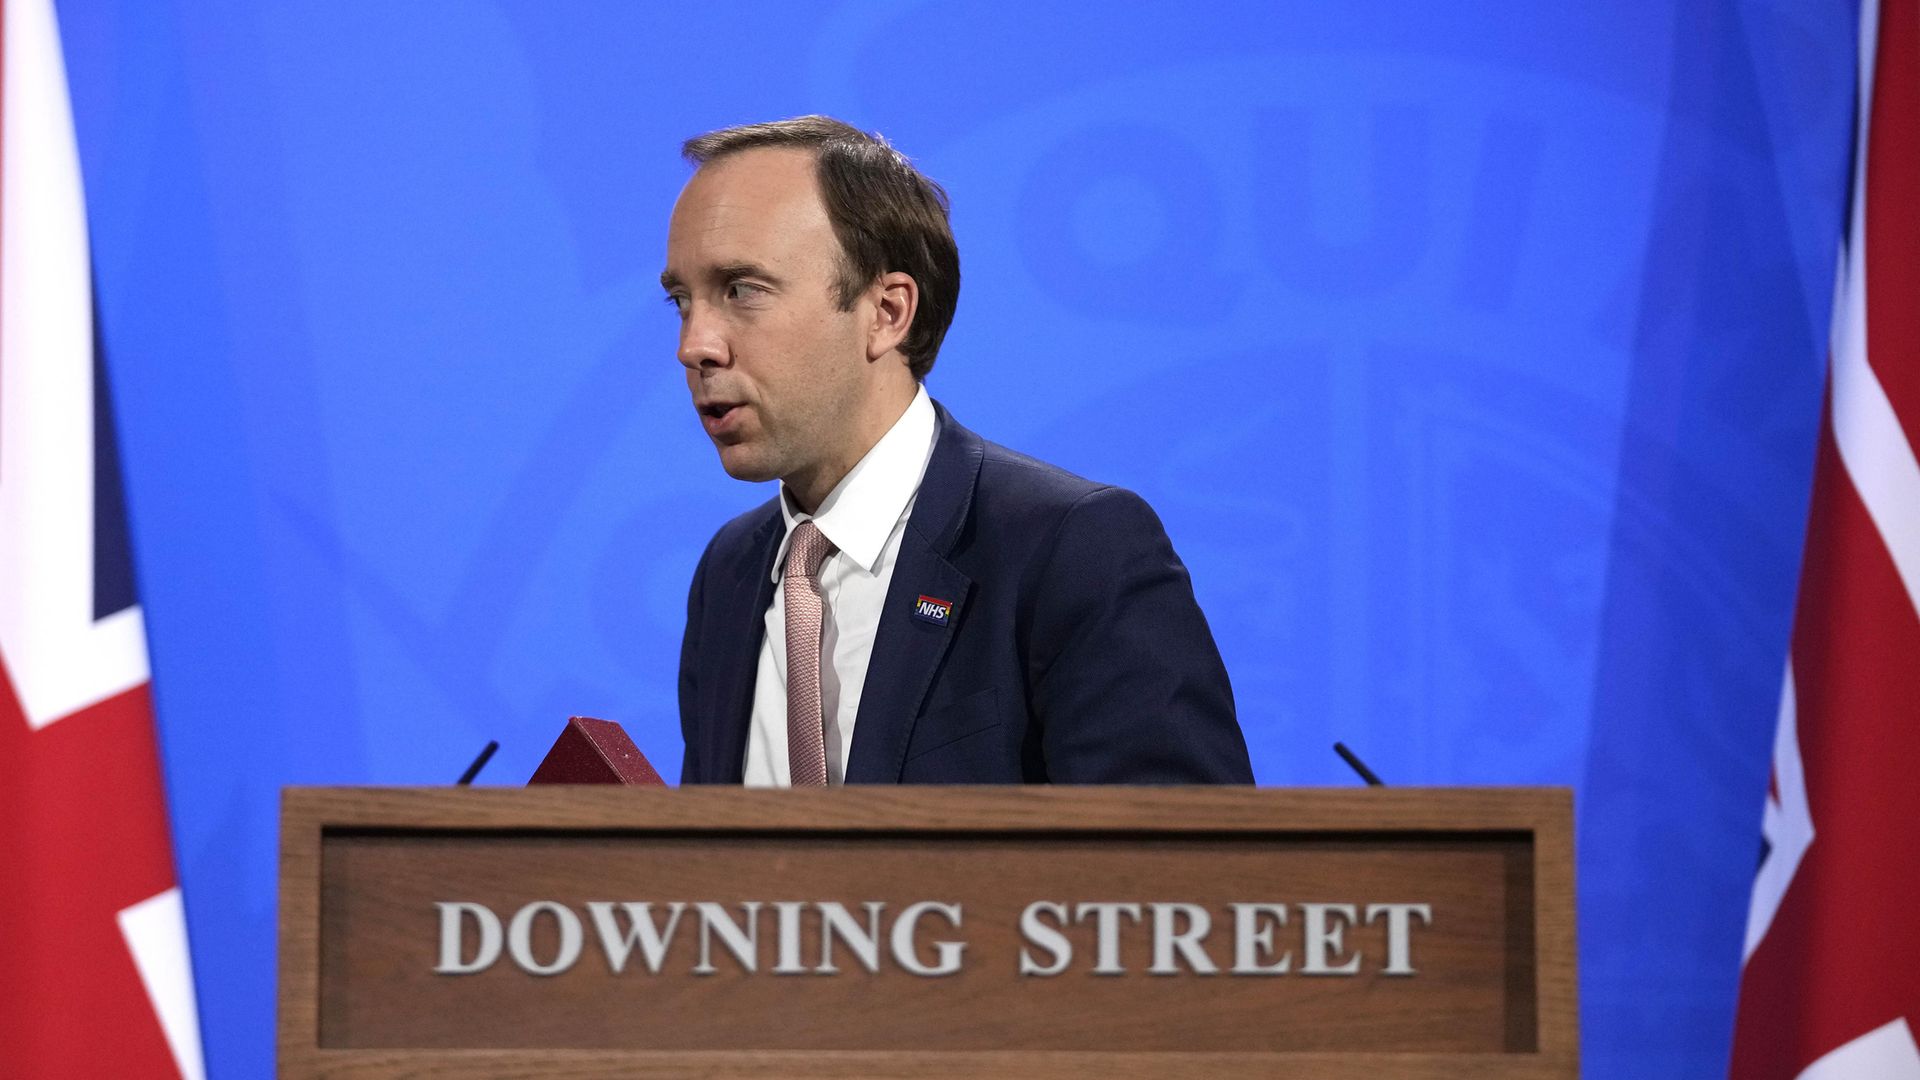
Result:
[{"x": 864, "y": 516}]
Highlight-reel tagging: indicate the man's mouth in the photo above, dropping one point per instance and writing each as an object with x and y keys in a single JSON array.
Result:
[{"x": 720, "y": 417}]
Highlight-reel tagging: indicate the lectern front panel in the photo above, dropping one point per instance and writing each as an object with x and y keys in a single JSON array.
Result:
[{"x": 956, "y": 926}]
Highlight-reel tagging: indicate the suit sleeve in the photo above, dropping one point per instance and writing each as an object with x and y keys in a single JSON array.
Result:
[
  {"x": 689, "y": 687},
  {"x": 1125, "y": 678}
]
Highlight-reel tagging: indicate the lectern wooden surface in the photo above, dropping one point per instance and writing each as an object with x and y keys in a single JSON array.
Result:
[{"x": 1491, "y": 993}]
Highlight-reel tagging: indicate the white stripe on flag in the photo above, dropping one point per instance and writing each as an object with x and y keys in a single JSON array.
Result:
[
  {"x": 1881, "y": 465},
  {"x": 1885, "y": 1053},
  {"x": 1785, "y": 823},
  {"x": 1873, "y": 447},
  {"x": 156, "y": 933},
  {"x": 60, "y": 659}
]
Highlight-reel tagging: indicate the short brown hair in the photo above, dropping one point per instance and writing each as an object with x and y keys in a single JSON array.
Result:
[{"x": 887, "y": 215}]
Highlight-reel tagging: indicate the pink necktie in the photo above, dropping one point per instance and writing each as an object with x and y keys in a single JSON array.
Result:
[{"x": 800, "y": 583}]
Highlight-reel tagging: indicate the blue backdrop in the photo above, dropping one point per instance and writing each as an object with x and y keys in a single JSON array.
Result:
[{"x": 1472, "y": 353}]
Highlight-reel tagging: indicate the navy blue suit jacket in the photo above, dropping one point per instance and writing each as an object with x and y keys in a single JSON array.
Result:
[{"x": 1074, "y": 651}]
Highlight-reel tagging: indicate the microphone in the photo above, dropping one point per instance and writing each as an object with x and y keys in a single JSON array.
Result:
[
  {"x": 479, "y": 763},
  {"x": 1358, "y": 766}
]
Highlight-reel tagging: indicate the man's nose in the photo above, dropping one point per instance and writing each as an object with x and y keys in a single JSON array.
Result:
[{"x": 702, "y": 344}]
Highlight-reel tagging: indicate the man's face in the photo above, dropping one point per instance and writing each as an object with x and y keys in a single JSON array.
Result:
[{"x": 775, "y": 368}]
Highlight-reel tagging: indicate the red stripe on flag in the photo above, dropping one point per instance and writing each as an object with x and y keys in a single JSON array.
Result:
[
  {"x": 1893, "y": 214},
  {"x": 1839, "y": 958},
  {"x": 82, "y": 835}
]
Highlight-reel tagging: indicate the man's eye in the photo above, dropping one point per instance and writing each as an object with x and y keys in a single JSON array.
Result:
[
  {"x": 678, "y": 303},
  {"x": 740, "y": 290}
]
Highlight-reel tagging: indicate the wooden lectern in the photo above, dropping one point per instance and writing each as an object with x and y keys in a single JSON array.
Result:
[{"x": 928, "y": 932}]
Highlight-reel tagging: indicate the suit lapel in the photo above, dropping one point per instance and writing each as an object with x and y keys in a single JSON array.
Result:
[
  {"x": 730, "y": 680},
  {"x": 907, "y": 651}
]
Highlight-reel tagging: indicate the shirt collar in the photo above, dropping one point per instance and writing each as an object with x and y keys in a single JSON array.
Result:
[{"x": 860, "y": 512}]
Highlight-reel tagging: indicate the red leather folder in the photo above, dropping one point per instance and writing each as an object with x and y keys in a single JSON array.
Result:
[{"x": 593, "y": 751}]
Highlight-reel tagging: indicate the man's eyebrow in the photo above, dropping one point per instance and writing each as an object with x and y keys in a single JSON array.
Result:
[
  {"x": 736, "y": 271},
  {"x": 724, "y": 272}
]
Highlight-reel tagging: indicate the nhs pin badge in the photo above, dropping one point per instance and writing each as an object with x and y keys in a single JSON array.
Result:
[{"x": 933, "y": 609}]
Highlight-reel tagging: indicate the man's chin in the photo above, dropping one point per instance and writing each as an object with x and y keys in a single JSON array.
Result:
[{"x": 742, "y": 463}]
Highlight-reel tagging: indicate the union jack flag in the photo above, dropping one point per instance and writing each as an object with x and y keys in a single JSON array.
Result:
[
  {"x": 94, "y": 973},
  {"x": 1831, "y": 982}
]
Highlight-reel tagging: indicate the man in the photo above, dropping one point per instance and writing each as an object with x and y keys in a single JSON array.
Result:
[{"x": 916, "y": 605}]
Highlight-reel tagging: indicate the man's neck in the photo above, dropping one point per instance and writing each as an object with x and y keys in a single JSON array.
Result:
[{"x": 808, "y": 490}]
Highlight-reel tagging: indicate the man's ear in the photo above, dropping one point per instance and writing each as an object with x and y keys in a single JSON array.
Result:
[{"x": 896, "y": 296}]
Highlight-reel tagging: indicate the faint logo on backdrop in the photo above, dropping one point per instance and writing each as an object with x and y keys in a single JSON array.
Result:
[{"x": 1299, "y": 306}]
